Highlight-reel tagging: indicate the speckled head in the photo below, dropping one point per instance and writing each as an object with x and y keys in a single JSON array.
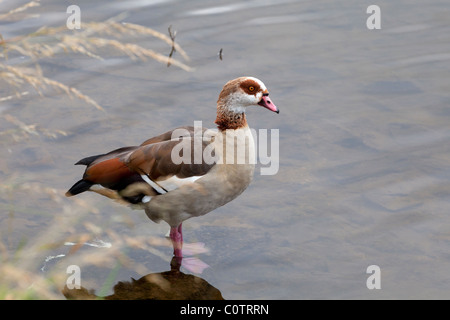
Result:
[{"x": 237, "y": 95}]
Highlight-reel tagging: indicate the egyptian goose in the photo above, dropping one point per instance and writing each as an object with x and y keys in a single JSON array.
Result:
[{"x": 188, "y": 171}]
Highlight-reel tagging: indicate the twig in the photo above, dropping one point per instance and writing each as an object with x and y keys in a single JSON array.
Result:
[{"x": 172, "y": 35}]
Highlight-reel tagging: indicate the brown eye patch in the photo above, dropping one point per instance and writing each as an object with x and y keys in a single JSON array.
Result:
[{"x": 250, "y": 87}]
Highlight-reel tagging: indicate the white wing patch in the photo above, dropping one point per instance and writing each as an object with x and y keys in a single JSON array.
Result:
[
  {"x": 167, "y": 185},
  {"x": 146, "y": 199},
  {"x": 153, "y": 184},
  {"x": 174, "y": 182}
]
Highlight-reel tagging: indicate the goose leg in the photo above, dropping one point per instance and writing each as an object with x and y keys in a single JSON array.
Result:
[
  {"x": 176, "y": 236},
  {"x": 192, "y": 264}
]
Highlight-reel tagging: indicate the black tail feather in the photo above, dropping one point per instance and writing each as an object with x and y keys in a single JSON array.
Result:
[
  {"x": 88, "y": 160},
  {"x": 79, "y": 187}
]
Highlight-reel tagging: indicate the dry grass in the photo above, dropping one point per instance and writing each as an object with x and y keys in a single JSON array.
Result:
[
  {"x": 66, "y": 239},
  {"x": 65, "y": 221},
  {"x": 8, "y": 15},
  {"x": 48, "y": 42}
]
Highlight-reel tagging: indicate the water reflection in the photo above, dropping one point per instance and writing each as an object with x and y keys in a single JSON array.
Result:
[{"x": 169, "y": 285}]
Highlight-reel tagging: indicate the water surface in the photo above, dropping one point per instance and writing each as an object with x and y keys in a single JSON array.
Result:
[{"x": 364, "y": 148}]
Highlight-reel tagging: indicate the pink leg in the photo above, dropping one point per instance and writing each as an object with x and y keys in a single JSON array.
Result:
[
  {"x": 191, "y": 263},
  {"x": 176, "y": 235}
]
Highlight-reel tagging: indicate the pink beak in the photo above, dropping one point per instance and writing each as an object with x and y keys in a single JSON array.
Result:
[{"x": 267, "y": 103}]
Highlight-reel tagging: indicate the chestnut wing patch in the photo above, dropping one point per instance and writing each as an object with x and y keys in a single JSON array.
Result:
[
  {"x": 155, "y": 161},
  {"x": 137, "y": 173}
]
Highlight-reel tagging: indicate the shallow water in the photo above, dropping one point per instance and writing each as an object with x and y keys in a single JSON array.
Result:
[{"x": 364, "y": 164}]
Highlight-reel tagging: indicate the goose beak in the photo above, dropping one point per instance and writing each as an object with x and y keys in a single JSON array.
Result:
[{"x": 267, "y": 103}]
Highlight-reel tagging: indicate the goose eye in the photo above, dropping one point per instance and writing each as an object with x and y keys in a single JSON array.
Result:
[{"x": 251, "y": 88}]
